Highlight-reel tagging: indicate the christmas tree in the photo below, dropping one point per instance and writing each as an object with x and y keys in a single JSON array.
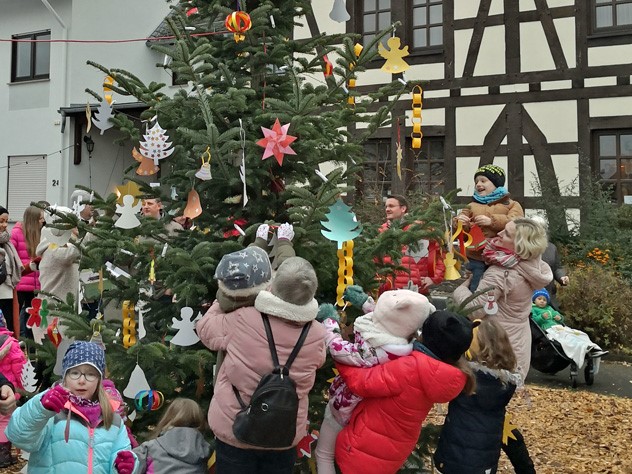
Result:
[{"x": 245, "y": 101}]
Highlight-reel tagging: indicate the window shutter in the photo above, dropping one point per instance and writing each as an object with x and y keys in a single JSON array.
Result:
[{"x": 27, "y": 183}]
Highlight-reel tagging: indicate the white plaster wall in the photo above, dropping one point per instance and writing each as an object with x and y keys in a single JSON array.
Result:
[
  {"x": 465, "y": 8},
  {"x": 473, "y": 123},
  {"x": 425, "y": 72},
  {"x": 535, "y": 54},
  {"x": 606, "y": 55},
  {"x": 491, "y": 57},
  {"x": 428, "y": 117},
  {"x": 566, "y": 169},
  {"x": 465, "y": 169},
  {"x": 462, "y": 40},
  {"x": 613, "y": 106},
  {"x": 560, "y": 3},
  {"x": 557, "y": 120},
  {"x": 527, "y": 5},
  {"x": 496, "y": 8},
  {"x": 565, "y": 28}
]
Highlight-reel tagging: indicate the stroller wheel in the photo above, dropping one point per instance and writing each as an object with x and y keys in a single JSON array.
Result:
[{"x": 589, "y": 372}]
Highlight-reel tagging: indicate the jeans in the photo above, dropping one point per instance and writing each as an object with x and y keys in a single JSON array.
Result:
[
  {"x": 477, "y": 267},
  {"x": 232, "y": 460}
]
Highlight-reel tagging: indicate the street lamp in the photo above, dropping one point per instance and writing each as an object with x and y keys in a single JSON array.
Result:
[{"x": 87, "y": 139}]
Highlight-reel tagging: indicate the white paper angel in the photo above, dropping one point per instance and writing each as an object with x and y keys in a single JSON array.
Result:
[
  {"x": 186, "y": 335},
  {"x": 128, "y": 211}
]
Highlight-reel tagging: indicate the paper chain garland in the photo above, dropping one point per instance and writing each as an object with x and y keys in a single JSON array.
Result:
[
  {"x": 129, "y": 324},
  {"x": 416, "y": 135},
  {"x": 345, "y": 270}
]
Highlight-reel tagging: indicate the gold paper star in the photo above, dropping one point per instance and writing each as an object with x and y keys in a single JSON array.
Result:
[
  {"x": 508, "y": 428},
  {"x": 335, "y": 375},
  {"x": 128, "y": 188}
]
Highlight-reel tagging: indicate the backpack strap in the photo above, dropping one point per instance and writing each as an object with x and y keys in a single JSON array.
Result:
[{"x": 285, "y": 370}]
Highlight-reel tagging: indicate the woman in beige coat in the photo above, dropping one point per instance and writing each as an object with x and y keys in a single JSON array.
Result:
[{"x": 516, "y": 271}]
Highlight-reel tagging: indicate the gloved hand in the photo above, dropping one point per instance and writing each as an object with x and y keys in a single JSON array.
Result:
[
  {"x": 262, "y": 231},
  {"x": 355, "y": 295},
  {"x": 124, "y": 462},
  {"x": 285, "y": 231},
  {"x": 55, "y": 398},
  {"x": 327, "y": 311}
]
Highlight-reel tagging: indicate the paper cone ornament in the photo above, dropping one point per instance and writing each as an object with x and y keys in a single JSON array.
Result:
[
  {"x": 193, "y": 208},
  {"x": 339, "y": 12},
  {"x": 147, "y": 166}
]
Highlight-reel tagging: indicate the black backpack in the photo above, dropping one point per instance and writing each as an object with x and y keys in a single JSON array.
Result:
[{"x": 270, "y": 419}]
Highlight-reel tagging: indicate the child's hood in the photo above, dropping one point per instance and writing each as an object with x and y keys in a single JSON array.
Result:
[{"x": 185, "y": 444}]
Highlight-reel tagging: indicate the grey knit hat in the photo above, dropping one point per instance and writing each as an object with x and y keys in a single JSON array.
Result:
[
  {"x": 295, "y": 281},
  {"x": 244, "y": 272}
]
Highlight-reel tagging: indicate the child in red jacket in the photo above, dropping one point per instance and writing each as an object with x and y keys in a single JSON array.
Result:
[{"x": 385, "y": 426}]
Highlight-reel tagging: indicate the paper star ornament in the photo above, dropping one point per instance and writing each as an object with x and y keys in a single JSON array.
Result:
[
  {"x": 128, "y": 188},
  {"x": 276, "y": 142}
]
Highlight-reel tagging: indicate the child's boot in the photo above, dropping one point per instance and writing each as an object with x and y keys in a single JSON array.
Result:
[{"x": 5, "y": 455}]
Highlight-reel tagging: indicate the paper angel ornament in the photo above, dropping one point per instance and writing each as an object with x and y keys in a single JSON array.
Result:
[
  {"x": 394, "y": 62},
  {"x": 102, "y": 116},
  {"x": 128, "y": 210},
  {"x": 276, "y": 142},
  {"x": 146, "y": 167},
  {"x": 156, "y": 145},
  {"x": 29, "y": 378},
  {"x": 204, "y": 173},
  {"x": 137, "y": 382},
  {"x": 186, "y": 335},
  {"x": 339, "y": 12}
]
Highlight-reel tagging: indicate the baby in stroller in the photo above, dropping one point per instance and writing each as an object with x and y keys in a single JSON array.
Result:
[{"x": 575, "y": 344}]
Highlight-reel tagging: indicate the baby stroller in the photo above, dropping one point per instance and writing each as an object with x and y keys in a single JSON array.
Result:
[{"x": 548, "y": 357}]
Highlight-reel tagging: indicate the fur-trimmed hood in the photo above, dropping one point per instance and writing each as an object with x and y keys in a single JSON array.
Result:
[{"x": 270, "y": 304}]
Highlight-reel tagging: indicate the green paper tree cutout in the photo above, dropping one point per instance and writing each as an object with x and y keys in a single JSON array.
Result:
[{"x": 341, "y": 224}]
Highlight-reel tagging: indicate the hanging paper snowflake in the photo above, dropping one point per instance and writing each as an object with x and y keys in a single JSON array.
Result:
[
  {"x": 156, "y": 145},
  {"x": 276, "y": 142}
]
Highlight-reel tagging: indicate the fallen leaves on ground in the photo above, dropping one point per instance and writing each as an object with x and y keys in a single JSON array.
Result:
[{"x": 569, "y": 431}]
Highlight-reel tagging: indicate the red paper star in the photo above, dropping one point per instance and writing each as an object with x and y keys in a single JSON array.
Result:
[{"x": 276, "y": 142}]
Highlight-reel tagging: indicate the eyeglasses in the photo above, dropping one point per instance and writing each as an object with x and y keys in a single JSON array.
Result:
[{"x": 76, "y": 375}]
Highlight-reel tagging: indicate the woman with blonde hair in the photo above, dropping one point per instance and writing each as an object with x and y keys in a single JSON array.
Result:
[
  {"x": 177, "y": 443},
  {"x": 25, "y": 237}
]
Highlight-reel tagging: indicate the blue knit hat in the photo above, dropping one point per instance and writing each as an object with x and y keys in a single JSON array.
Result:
[
  {"x": 541, "y": 292},
  {"x": 83, "y": 352}
]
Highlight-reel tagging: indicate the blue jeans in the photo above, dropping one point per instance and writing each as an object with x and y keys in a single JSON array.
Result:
[
  {"x": 477, "y": 267},
  {"x": 232, "y": 460}
]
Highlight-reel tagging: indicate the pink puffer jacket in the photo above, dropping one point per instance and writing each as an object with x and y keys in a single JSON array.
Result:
[
  {"x": 30, "y": 281},
  {"x": 242, "y": 335}
]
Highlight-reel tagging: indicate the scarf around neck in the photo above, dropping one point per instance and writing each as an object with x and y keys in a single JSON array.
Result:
[
  {"x": 495, "y": 195},
  {"x": 494, "y": 254}
]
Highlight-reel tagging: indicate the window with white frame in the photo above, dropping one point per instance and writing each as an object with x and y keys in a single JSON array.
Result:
[{"x": 30, "y": 56}]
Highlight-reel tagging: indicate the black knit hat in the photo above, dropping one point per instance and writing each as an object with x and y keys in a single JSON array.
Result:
[
  {"x": 492, "y": 172},
  {"x": 447, "y": 335}
]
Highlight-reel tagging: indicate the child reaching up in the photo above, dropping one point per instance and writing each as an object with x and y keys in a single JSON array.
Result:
[
  {"x": 490, "y": 210},
  {"x": 177, "y": 445},
  {"x": 72, "y": 426},
  {"x": 381, "y": 336},
  {"x": 575, "y": 344},
  {"x": 471, "y": 437},
  {"x": 397, "y": 396}
]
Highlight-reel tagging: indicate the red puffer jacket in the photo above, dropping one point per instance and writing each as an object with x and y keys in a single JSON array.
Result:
[
  {"x": 426, "y": 262},
  {"x": 397, "y": 396}
]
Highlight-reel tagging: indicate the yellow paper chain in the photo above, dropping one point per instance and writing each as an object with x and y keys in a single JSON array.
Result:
[
  {"x": 129, "y": 324},
  {"x": 416, "y": 135},
  {"x": 345, "y": 270},
  {"x": 152, "y": 271},
  {"x": 357, "y": 49}
]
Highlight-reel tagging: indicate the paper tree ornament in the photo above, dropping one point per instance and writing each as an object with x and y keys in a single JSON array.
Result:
[
  {"x": 102, "y": 116},
  {"x": 193, "y": 207},
  {"x": 204, "y": 173},
  {"x": 186, "y": 335},
  {"x": 29, "y": 378},
  {"x": 128, "y": 188},
  {"x": 146, "y": 167},
  {"x": 137, "y": 382},
  {"x": 339, "y": 12},
  {"x": 276, "y": 142},
  {"x": 394, "y": 62},
  {"x": 341, "y": 224},
  {"x": 128, "y": 210},
  {"x": 156, "y": 145}
]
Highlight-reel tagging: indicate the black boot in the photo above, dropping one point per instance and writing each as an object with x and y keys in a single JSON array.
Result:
[{"x": 5, "y": 455}]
